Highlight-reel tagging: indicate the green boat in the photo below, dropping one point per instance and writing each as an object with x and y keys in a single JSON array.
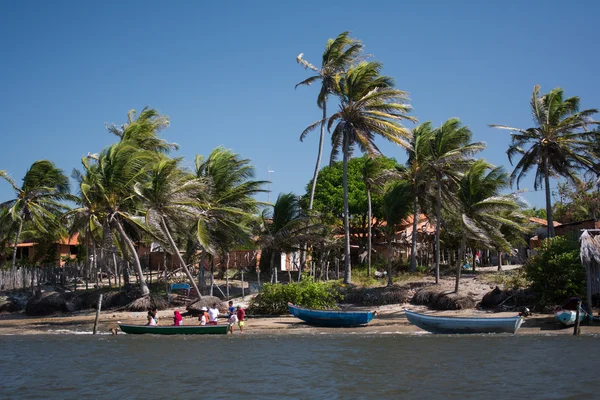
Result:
[{"x": 175, "y": 330}]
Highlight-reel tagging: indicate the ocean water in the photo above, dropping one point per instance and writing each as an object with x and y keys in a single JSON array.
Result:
[{"x": 317, "y": 366}]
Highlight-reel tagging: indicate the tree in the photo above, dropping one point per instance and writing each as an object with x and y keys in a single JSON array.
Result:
[
  {"x": 558, "y": 144},
  {"x": 396, "y": 207},
  {"x": 169, "y": 196},
  {"x": 339, "y": 54},
  {"x": 481, "y": 208},
  {"x": 38, "y": 200},
  {"x": 449, "y": 155},
  {"x": 142, "y": 132},
  {"x": 369, "y": 107}
]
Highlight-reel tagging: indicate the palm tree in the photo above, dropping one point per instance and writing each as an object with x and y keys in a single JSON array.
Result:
[
  {"x": 371, "y": 172},
  {"x": 396, "y": 207},
  {"x": 449, "y": 155},
  {"x": 143, "y": 130},
  {"x": 116, "y": 172},
  {"x": 556, "y": 146},
  {"x": 339, "y": 54},
  {"x": 38, "y": 200},
  {"x": 169, "y": 196},
  {"x": 369, "y": 107},
  {"x": 481, "y": 208}
]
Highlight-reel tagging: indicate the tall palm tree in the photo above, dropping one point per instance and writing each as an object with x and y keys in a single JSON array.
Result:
[
  {"x": 116, "y": 172},
  {"x": 39, "y": 200},
  {"x": 142, "y": 130},
  {"x": 449, "y": 155},
  {"x": 396, "y": 207},
  {"x": 371, "y": 172},
  {"x": 481, "y": 208},
  {"x": 556, "y": 146},
  {"x": 169, "y": 197},
  {"x": 338, "y": 55},
  {"x": 369, "y": 107}
]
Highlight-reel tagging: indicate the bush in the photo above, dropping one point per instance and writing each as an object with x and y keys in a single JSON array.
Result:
[
  {"x": 273, "y": 298},
  {"x": 556, "y": 272}
]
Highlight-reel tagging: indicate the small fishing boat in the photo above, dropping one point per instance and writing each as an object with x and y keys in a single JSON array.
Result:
[
  {"x": 566, "y": 313},
  {"x": 464, "y": 324},
  {"x": 332, "y": 318},
  {"x": 175, "y": 330}
]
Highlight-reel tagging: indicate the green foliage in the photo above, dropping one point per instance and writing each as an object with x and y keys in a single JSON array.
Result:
[
  {"x": 556, "y": 272},
  {"x": 514, "y": 279},
  {"x": 274, "y": 297}
]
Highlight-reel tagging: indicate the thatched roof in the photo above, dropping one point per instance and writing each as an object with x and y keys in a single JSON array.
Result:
[{"x": 590, "y": 248}]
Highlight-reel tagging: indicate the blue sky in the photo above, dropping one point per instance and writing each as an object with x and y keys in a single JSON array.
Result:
[{"x": 224, "y": 72}]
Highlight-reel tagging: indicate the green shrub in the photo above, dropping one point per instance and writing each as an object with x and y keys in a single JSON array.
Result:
[
  {"x": 556, "y": 272},
  {"x": 273, "y": 298}
]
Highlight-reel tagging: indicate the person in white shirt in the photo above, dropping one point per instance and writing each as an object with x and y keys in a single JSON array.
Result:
[{"x": 213, "y": 314}]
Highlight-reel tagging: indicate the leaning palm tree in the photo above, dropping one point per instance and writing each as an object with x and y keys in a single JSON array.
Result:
[
  {"x": 482, "y": 209},
  {"x": 556, "y": 146},
  {"x": 169, "y": 197},
  {"x": 449, "y": 155},
  {"x": 39, "y": 200},
  {"x": 339, "y": 54},
  {"x": 396, "y": 207},
  {"x": 372, "y": 172},
  {"x": 142, "y": 130},
  {"x": 369, "y": 107}
]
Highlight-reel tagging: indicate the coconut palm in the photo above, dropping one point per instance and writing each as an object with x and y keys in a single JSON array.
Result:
[
  {"x": 481, "y": 209},
  {"x": 142, "y": 131},
  {"x": 116, "y": 172},
  {"x": 339, "y": 54},
  {"x": 371, "y": 173},
  {"x": 38, "y": 200},
  {"x": 557, "y": 145},
  {"x": 170, "y": 200},
  {"x": 450, "y": 153},
  {"x": 396, "y": 207},
  {"x": 369, "y": 107}
]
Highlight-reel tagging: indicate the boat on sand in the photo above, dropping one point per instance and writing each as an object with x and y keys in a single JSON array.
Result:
[
  {"x": 175, "y": 330},
  {"x": 436, "y": 324},
  {"x": 566, "y": 313},
  {"x": 332, "y": 318}
]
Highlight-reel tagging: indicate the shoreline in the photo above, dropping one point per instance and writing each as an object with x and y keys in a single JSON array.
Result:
[{"x": 390, "y": 320}]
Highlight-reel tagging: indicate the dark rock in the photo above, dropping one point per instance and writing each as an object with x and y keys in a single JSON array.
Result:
[
  {"x": 494, "y": 298},
  {"x": 46, "y": 304}
]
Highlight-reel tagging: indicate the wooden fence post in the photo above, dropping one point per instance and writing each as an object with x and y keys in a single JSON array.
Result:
[
  {"x": 576, "y": 330},
  {"x": 97, "y": 314}
]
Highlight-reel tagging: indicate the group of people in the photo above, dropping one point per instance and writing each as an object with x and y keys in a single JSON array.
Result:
[
  {"x": 235, "y": 316},
  {"x": 208, "y": 316}
]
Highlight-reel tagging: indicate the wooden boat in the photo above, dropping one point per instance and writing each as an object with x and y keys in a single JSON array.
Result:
[
  {"x": 331, "y": 318},
  {"x": 175, "y": 330},
  {"x": 464, "y": 324},
  {"x": 566, "y": 313}
]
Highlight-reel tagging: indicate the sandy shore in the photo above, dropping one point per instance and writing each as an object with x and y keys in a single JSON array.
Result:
[{"x": 390, "y": 319}]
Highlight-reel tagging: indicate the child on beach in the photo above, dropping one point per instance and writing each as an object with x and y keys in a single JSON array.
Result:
[
  {"x": 204, "y": 317},
  {"x": 241, "y": 315},
  {"x": 151, "y": 320},
  {"x": 177, "y": 318},
  {"x": 154, "y": 312},
  {"x": 232, "y": 320}
]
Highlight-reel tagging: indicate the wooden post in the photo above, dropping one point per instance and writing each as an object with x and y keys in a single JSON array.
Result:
[
  {"x": 242, "y": 270},
  {"x": 576, "y": 330},
  {"x": 97, "y": 314}
]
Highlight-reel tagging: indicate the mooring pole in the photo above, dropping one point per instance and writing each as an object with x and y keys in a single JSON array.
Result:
[
  {"x": 576, "y": 330},
  {"x": 97, "y": 314},
  {"x": 243, "y": 283}
]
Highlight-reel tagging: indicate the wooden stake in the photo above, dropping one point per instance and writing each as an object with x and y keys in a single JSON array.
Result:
[
  {"x": 97, "y": 314},
  {"x": 576, "y": 330}
]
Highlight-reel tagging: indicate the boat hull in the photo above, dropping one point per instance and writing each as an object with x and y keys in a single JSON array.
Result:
[
  {"x": 464, "y": 325},
  {"x": 331, "y": 318},
  {"x": 174, "y": 330},
  {"x": 568, "y": 317}
]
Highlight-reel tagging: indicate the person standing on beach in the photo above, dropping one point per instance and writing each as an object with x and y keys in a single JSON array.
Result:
[
  {"x": 177, "y": 318},
  {"x": 154, "y": 313},
  {"x": 241, "y": 315},
  {"x": 230, "y": 310},
  {"x": 213, "y": 314}
]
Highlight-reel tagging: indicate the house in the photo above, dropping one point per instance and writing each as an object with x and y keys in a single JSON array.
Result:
[{"x": 62, "y": 250}]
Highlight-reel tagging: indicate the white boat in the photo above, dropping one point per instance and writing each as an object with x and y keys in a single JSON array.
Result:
[{"x": 435, "y": 324}]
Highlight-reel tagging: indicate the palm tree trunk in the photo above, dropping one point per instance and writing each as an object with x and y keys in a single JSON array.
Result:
[
  {"x": 370, "y": 243},
  {"x": 438, "y": 221},
  {"x": 176, "y": 253},
  {"x": 461, "y": 255},
  {"x": 136, "y": 260},
  {"x": 548, "y": 198},
  {"x": 413, "y": 251},
  {"x": 499, "y": 260},
  {"x": 273, "y": 269},
  {"x": 201, "y": 272},
  {"x": 318, "y": 164},
  {"x": 347, "y": 270},
  {"x": 227, "y": 275},
  {"x": 389, "y": 269},
  {"x": 17, "y": 236}
]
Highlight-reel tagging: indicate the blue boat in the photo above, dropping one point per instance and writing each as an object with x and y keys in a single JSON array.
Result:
[
  {"x": 435, "y": 324},
  {"x": 332, "y": 318},
  {"x": 566, "y": 313}
]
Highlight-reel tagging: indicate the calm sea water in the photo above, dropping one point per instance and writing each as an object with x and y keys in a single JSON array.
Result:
[{"x": 319, "y": 366}]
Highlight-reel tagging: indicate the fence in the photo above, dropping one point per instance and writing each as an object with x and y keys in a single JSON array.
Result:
[{"x": 26, "y": 277}]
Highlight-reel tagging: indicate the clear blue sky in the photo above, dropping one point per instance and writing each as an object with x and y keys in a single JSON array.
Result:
[{"x": 224, "y": 72}]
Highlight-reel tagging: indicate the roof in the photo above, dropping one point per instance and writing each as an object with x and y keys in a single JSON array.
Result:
[
  {"x": 70, "y": 241},
  {"x": 541, "y": 221}
]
